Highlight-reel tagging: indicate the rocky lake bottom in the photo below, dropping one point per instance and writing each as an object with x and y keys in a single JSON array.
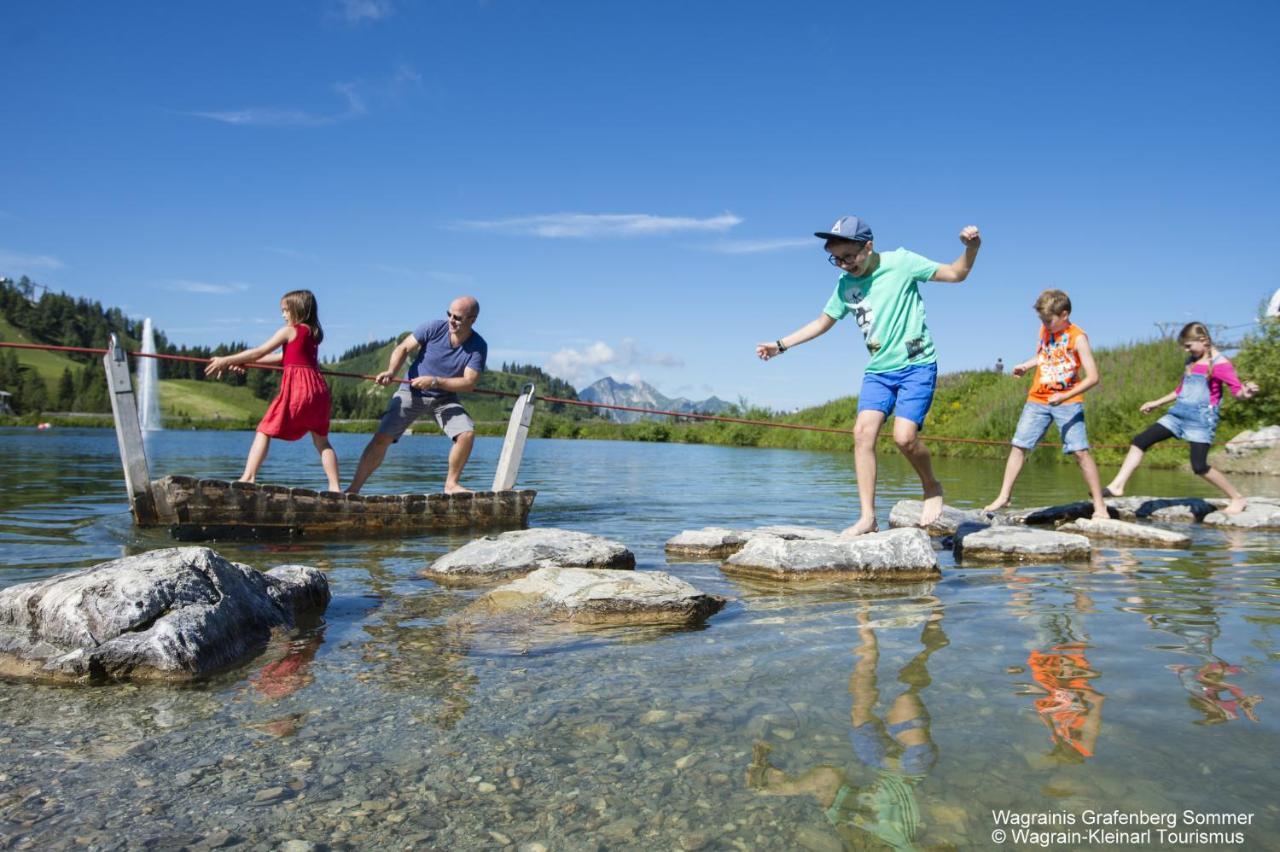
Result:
[{"x": 813, "y": 716}]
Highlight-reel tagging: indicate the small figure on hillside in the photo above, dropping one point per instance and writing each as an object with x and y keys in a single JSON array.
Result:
[
  {"x": 999, "y": 366},
  {"x": 450, "y": 359},
  {"x": 1194, "y": 415},
  {"x": 881, "y": 291},
  {"x": 303, "y": 403},
  {"x": 1065, "y": 369}
]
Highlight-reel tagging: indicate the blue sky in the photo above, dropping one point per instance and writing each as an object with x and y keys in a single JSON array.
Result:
[{"x": 630, "y": 189}]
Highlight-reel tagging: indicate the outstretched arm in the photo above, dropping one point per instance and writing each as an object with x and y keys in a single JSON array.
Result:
[
  {"x": 808, "y": 332},
  {"x": 1089, "y": 373},
  {"x": 459, "y": 384},
  {"x": 1152, "y": 405},
  {"x": 398, "y": 355},
  {"x": 249, "y": 356},
  {"x": 1029, "y": 364},
  {"x": 958, "y": 270}
]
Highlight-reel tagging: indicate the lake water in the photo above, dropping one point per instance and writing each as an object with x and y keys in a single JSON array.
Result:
[{"x": 1145, "y": 683}]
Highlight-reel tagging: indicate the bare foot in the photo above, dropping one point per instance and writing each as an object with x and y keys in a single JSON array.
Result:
[
  {"x": 996, "y": 504},
  {"x": 932, "y": 509},
  {"x": 862, "y": 527},
  {"x": 1112, "y": 491},
  {"x": 1236, "y": 506},
  {"x": 1101, "y": 515},
  {"x": 457, "y": 489}
]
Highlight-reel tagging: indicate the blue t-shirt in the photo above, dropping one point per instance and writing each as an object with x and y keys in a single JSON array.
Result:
[{"x": 437, "y": 358}]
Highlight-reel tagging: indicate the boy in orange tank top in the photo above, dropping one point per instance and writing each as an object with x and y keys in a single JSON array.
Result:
[{"x": 1065, "y": 369}]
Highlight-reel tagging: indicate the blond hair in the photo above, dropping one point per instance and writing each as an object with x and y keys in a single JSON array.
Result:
[
  {"x": 1195, "y": 331},
  {"x": 1053, "y": 302},
  {"x": 303, "y": 310}
]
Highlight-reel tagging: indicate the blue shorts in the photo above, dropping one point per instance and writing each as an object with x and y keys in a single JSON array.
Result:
[
  {"x": 1036, "y": 418},
  {"x": 906, "y": 393},
  {"x": 872, "y": 745}
]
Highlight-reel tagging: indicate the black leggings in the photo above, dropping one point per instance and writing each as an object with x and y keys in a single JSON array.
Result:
[{"x": 1156, "y": 433}]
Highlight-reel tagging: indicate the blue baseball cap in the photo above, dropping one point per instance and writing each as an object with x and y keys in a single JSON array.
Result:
[{"x": 847, "y": 228}]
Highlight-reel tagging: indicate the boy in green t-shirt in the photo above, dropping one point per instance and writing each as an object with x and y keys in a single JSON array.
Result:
[{"x": 881, "y": 292}]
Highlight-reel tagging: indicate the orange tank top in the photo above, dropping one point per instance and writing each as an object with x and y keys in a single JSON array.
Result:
[{"x": 1057, "y": 363}]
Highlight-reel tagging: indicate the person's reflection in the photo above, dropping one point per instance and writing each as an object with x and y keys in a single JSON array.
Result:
[
  {"x": 290, "y": 673},
  {"x": 1206, "y": 683},
  {"x": 898, "y": 748},
  {"x": 1070, "y": 707}
]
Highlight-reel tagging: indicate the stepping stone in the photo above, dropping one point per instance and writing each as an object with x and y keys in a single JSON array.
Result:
[
  {"x": 903, "y": 555},
  {"x": 1176, "y": 509},
  {"x": 906, "y": 513},
  {"x": 1258, "y": 515},
  {"x": 177, "y": 614},
  {"x": 1022, "y": 544},
  {"x": 1125, "y": 531},
  {"x": 598, "y": 596},
  {"x": 516, "y": 553},
  {"x": 719, "y": 542}
]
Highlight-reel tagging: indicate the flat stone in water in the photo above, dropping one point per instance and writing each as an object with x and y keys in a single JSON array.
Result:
[
  {"x": 903, "y": 555},
  {"x": 719, "y": 542},
  {"x": 906, "y": 513},
  {"x": 1258, "y": 515},
  {"x": 175, "y": 614},
  {"x": 1126, "y": 531},
  {"x": 601, "y": 596},
  {"x": 1022, "y": 544},
  {"x": 516, "y": 553}
]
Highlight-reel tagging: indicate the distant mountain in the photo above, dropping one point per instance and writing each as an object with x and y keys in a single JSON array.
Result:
[{"x": 643, "y": 395}]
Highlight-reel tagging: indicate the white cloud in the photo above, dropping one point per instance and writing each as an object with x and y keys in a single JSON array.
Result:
[
  {"x": 359, "y": 11},
  {"x": 13, "y": 262},
  {"x": 184, "y": 285},
  {"x": 356, "y": 95},
  {"x": 580, "y": 366},
  {"x": 602, "y": 224},
  {"x": 757, "y": 246}
]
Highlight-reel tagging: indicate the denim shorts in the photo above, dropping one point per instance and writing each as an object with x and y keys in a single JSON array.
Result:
[
  {"x": 905, "y": 393},
  {"x": 1035, "y": 421}
]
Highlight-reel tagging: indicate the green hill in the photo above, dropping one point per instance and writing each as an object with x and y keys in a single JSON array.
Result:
[
  {"x": 48, "y": 365},
  {"x": 199, "y": 400}
]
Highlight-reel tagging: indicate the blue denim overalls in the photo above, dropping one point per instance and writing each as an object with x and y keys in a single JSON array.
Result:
[{"x": 1192, "y": 418}]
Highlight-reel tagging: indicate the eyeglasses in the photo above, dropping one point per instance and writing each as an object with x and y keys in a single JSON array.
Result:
[
  {"x": 456, "y": 317},
  {"x": 837, "y": 260}
]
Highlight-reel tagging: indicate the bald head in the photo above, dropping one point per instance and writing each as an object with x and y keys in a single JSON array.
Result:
[{"x": 465, "y": 306}]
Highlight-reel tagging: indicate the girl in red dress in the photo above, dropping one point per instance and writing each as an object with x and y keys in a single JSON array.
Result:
[{"x": 303, "y": 403}]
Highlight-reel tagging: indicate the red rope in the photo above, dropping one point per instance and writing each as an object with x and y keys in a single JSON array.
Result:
[{"x": 557, "y": 400}]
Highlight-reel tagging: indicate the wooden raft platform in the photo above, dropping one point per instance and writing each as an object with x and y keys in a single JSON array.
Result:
[{"x": 204, "y": 509}]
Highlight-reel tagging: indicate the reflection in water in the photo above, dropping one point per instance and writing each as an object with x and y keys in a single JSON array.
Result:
[
  {"x": 1197, "y": 624},
  {"x": 898, "y": 748},
  {"x": 287, "y": 675},
  {"x": 1071, "y": 707}
]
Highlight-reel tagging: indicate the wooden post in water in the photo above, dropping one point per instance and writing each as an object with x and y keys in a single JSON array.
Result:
[
  {"x": 133, "y": 454},
  {"x": 504, "y": 478}
]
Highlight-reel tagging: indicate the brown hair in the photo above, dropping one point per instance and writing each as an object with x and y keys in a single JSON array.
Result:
[
  {"x": 1053, "y": 302},
  {"x": 301, "y": 305},
  {"x": 1195, "y": 331}
]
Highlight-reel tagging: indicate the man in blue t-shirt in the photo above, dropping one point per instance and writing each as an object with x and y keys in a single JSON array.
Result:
[{"x": 450, "y": 358}]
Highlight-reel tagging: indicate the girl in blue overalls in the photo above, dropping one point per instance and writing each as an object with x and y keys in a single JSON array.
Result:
[{"x": 1194, "y": 415}]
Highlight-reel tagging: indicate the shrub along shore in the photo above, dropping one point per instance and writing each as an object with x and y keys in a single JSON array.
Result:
[{"x": 969, "y": 405}]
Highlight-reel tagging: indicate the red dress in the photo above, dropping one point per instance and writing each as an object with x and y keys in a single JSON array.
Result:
[{"x": 303, "y": 403}]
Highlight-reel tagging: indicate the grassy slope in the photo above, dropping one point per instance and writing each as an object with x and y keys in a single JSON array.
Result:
[
  {"x": 208, "y": 400},
  {"x": 48, "y": 365}
]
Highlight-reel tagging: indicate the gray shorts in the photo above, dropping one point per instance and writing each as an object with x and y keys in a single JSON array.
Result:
[{"x": 406, "y": 407}]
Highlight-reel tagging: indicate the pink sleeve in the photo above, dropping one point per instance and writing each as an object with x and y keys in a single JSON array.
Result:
[{"x": 1225, "y": 372}]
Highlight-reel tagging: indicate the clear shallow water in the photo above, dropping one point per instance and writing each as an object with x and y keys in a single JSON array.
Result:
[{"x": 796, "y": 718}]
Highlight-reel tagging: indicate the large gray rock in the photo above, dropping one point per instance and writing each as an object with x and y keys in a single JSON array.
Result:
[
  {"x": 176, "y": 614},
  {"x": 1126, "y": 531},
  {"x": 906, "y": 513},
  {"x": 904, "y": 555},
  {"x": 516, "y": 553},
  {"x": 1173, "y": 509},
  {"x": 600, "y": 596},
  {"x": 1260, "y": 514},
  {"x": 1022, "y": 544},
  {"x": 1250, "y": 441},
  {"x": 719, "y": 542}
]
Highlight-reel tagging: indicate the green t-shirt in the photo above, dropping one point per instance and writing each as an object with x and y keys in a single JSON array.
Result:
[{"x": 889, "y": 309}]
